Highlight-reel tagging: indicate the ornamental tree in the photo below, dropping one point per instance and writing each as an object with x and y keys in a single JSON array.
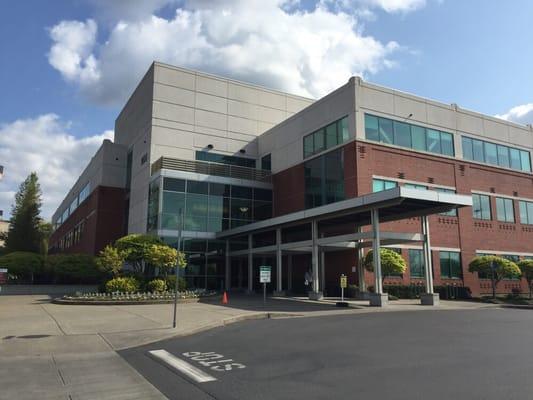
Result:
[
  {"x": 392, "y": 263},
  {"x": 110, "y": 261},
  {"x": 164, "y": 257},
  {"x": 526, "y": 266},
  {"x": 496, "y": 268},
  {"x": 135, "y": 248}
]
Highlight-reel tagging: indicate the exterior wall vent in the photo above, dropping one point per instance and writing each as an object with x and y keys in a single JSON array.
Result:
[
  {"x": 431, "y": 180},
  {"x": 515, "y": 194},
  {"x": 401, "y": 175},
  {"x": 492, "y": 190},
  {"x": 362, "y": 151}
]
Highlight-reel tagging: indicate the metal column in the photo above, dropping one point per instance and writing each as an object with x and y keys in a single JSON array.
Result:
[
  {"x": 279, "y": 265},
  {"x": 360, "y": 267},
  {"x": 428, "y": 298},
  {"x": 289, "y": 272},
  {"x": 250, "y": 266},
  {"x": 315, "y": 294},
  {"x": 378, "y": 298},
  {"x": 228, "y": 268}
]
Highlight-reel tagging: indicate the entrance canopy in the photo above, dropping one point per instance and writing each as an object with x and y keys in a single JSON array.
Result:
[{"x": 339, "y": 226}]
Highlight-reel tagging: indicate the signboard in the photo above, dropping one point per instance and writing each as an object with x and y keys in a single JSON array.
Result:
[
  {"x": 344, "y": 282},
  {"x": 264, "y": 274},
  {"x": 3, "y": 275}
]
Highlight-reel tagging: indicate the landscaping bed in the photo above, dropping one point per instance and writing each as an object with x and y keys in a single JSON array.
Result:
[{"x": 119, "y": 298}]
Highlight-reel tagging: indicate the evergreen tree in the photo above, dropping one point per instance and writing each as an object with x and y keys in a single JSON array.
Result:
[{"x": 24, "y": 230}]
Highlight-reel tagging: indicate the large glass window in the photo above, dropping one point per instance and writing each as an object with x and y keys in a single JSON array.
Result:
[
  {"x": 450, "y": 265},
  {"x": 324, "y": 179},
  {"x": 84, "y": 193},
  {"x": 266, "y": 162},
  {"x": 451, "y": 213},
  {"x": 526, "y": 212},
  {"x": 402, "y": 134},
  {"x": 416, "y": 263},
  {"x": 379, "y": 185},
  {"x": 500, "y": 155},
  {"x": 481, "y": 206},
  {"x": 504, "y": 209},
  {"x": 326, "y": 137},
  {"x": 153, "y": 205}
]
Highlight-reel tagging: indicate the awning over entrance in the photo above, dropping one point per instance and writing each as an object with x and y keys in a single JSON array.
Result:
[{"x": 339, "y": 226}]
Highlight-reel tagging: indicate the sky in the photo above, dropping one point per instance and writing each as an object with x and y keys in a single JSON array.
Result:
[{"x": 68, "y": 66}]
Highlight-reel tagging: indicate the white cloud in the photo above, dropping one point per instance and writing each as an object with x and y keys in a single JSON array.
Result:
[
  {"x": 43, "y": 145},
  {"x": 522, "y": 114},
  {"x": 307, "y": 53},
  {"x": 71, "y": 52}
]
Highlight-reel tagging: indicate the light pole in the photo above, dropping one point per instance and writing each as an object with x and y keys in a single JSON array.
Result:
[{"x": 180, "y": 227}]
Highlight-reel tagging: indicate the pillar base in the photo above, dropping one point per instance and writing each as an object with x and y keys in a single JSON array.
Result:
[
  {"x": 379, "y": 299},
  {"x": 315, "y": 295},
  {"x": 429, "y": 299},
  {"x": 279, "y": 293}
]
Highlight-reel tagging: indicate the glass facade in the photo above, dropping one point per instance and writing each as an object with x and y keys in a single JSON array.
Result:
[
  {"x": 384, "y": 130},
  {"x": 266, "y": 162},
  {"x": 379, "y": 185},
  {"x": 225, "y": 159},
  {"x": 450, "y": 265},
  {"x": 416, "y": 263},
  {"x": 504, "y": 210},
  {"x": 326, "y": 137},
  {"x": 209, "y": 206},
  {"x": 481, "y": 206},
  {"x": 324, "y": 179},
  {"x": 526, "y": 212},
  {"x": 499, "y": 155}
]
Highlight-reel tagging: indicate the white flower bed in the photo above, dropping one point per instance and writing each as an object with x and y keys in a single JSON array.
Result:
[{"x": 140, "y": 296}]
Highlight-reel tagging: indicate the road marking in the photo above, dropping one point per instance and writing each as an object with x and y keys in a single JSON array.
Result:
[
  {"x": 213, "y": 361},
  {"x": 182, "y": 366}
]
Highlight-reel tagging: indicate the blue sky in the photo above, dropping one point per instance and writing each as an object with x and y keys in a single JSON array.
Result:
[{"x": 68, "y": 66}]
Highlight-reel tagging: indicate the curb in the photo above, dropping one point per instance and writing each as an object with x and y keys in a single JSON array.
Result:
[
  {"x": 130, "y": 302},
  {"x": 220, "y": 324}
]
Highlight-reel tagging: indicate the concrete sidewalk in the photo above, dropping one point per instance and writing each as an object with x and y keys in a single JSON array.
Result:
[{"x": 56, "y": 351}]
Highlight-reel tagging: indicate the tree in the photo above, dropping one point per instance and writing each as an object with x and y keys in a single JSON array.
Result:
[
  {"x": 24, "y": 233},
  {"x": 22, "y": 265},
  {"x": 74, "y": 268},
  {"x": 392, "y": 263},
  {"x": 110, "y": 261},
  {"x": 45, "y": 230},
  {"x": 164, "y": 257},
  {"x": 526, "y": 266},
  {"x": 135, "y": 247},
  {"x": 497, "y": 268}
]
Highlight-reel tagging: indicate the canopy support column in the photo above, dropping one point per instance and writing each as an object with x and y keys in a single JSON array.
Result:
[
  {"x": 289, "y": 272},
  {"x": 363, "y": 294},
  {"x": 279, "y": 265},
  {"x": 250, "y": 289},
  {"x": 315, "y": 293},
  {"x": 429, "y": 298},
  {"x": 378, "y": 299},
  {"x": 227, "y": 279}
]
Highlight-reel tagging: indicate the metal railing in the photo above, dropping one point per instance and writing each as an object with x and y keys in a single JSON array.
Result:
[{"x": 211, "y": 168}]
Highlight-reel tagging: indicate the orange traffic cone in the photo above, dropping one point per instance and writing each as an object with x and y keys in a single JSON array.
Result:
[{"x": 225, "y": 298}]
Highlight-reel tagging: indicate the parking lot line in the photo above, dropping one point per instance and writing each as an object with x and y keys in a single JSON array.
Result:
[{"x": 184, "y": 367}]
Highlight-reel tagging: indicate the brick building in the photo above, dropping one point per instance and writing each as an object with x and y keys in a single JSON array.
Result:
[{"x": 233, "y": 156}]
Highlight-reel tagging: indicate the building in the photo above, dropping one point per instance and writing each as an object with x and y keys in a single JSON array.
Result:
[{"x": 243, "y": 163}]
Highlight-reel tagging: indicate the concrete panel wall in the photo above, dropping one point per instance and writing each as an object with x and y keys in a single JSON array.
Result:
[{"x": 285, "y": 140}]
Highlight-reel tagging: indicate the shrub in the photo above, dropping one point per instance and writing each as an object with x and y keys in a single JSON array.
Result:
[
  {"x": 156, "y": 285},
  {"x": 74, "y": 268},
  {"x": 123, "y": 285},
  {"x": 110, "y": 261},
  {"x": 22, "y": 265},
  {"x": 171, "y": 283}
]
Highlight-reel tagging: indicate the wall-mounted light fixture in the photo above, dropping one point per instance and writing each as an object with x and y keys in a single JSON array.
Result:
[
  {"x": 242, "y": 151},
  {"x": 409, "y": 116},
  {"x": 210, "y": 146}
]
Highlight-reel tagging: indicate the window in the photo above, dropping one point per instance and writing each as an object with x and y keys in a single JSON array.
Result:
[
  {"x": 266, "y": 162},
  {"x": 84, "y": 193},
  {"x": 379, "y": 185},
  {"x": 500, "y": 155},
  {"x": 144, "y": 158},
  {"x": 225, "y": 159},
  {"x": 416, "y": 263},
  {"x": 402, "y": 134},
  {"x": 481, "y": 206},
  {"x": 73, "y": 205},
  {"x": 504, "y": 209},
  {"x": 526, "y": 212},
  {"x": 326, "y": 137},
  {"x": 450, "y": 265},
  {"x": 324, "y": 179}
]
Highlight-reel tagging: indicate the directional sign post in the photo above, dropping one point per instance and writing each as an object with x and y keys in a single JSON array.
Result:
[{"x": 264, "y": 278}]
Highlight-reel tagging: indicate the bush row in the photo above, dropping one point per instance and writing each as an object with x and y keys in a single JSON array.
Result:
[{"x": 132, "y": 284}]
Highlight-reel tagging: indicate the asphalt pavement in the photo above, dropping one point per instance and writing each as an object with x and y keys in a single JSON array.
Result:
[{"x": 466, "y": 354}]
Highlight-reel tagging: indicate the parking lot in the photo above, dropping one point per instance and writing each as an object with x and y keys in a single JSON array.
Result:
[{"x": 474, "y": 354}]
